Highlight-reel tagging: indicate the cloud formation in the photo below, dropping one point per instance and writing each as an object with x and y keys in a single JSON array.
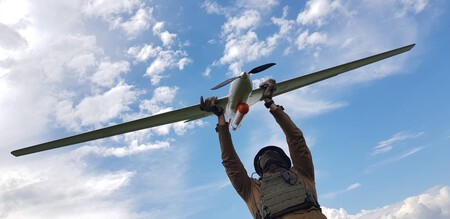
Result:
[
  {"x": 316, "y": 12},
  {"x": 51, "y": 191},
  {"x": 10, "y": 38},
  {"x": 332, "y": 195},
  {"x": 113, "y": 13},
  {"x": 387, "y": 145},
  {"x": 96, "y": 110},
  {"x": 161, "y": 59},
  {"x": 431, "y": 204},
  {"x": 56, "y": 78},
  {"x": 58, "y": 75}
]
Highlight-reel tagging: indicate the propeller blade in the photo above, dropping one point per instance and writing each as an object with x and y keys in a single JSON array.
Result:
[
  {"x": 261, "y": 68},
  {"x": 224, "y": 83}
]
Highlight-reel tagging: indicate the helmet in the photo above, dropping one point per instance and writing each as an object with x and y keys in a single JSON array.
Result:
[{"x": 261, "y": 152}]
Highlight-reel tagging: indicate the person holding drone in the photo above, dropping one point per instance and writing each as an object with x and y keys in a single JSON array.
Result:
[{"x": 284, "y": 189}]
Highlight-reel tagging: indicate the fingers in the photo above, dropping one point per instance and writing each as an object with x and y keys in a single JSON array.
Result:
[
  {"x": 209, "y": 105},
  {"x": 202, "y": 103},
  {"x": 206, "y": 105},
  {"x": 269, "y": 87},
  {"x": 268, "y": 83}
]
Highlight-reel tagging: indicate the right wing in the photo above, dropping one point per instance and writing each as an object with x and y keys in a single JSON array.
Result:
[
  {"x": 185, "y": 114},
  {"x": 295, "y": 83}
]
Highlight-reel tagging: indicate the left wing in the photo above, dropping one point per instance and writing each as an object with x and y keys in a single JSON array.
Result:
[
  {"x": 298, "y": 82},
  {"x": 185, "y": 114}
]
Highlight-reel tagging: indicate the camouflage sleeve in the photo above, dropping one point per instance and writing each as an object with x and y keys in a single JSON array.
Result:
[
  {"x": 299, "y": 151},
  {"x": 233, "y": 165}
]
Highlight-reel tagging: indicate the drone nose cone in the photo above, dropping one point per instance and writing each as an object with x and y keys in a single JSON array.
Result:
[{"x": 243, "y": 108}]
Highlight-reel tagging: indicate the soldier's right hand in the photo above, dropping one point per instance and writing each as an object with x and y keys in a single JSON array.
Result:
[{"x": 210, "y": 105}]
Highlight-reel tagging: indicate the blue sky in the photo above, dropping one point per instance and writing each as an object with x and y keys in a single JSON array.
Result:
[{"x": 379, "y": 135}]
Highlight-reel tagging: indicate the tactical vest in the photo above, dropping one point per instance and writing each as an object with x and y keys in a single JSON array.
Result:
[{"x": 283, "y": 193}]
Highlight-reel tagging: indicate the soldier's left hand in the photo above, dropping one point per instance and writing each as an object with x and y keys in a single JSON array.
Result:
[{"x": 269, "y": 87}]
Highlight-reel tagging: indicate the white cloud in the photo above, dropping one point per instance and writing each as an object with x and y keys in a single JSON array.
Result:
[
  {"x": 158, "y": 27},
  {"x": 105, "y": 9},
  {"x": 316, "y": 11},
  {"x": 415, "y": 6},
  {"x": 207, "y": 72},
  {"x": 10, "y": 38},
  {"x": 404, "y": 154},
  {"x": 108, "y": 73},
  {"x": 213, "y": 8},
  {"x": 166, "y": 37},
  {"x": 37, "y": 76},
  {"x": 97, "y": 109},
  {"x": 112, "y": 12},
  {"x": 309, "y": 40},
  {"x": 65, "y": 50},
  {"x": 387, "y": 145},
  {"x": 160, "y": 102},
  {"x": 12, "y": 11},
  {"x": 248, "y": 20},
  {"x": 81, "y": 63},
  {"x": 257, "y": 4},
  {"x": 285, "y": 25},
  {"x": 36, "y": 193},
  {"x": 132, "y": 149},
  {"x": 244, "y": 48},
  {"x": 165, "y": 60},
  {"x": 434, "y": 203},
  {"x": 332, "y": 195},
  {"x": 138, "y": 23},
  {"x": 183, "y": 62},
  {"x": 101, "y": 108},
  {"x": 162, "y": 96},
  {"x": 144, "y": 53},
  {"x": 306, "y": 105},
  {"x": 59, "y": 77},
  {"x": 39, "y": 80},
  {"x": 239, "y": 32},
  {"x": 180, "y": 128}
]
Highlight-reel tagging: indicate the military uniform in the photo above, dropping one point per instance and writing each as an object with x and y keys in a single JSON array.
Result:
[{"x": 250, "y": 189}]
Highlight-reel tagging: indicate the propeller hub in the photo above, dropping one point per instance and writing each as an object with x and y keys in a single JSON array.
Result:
[{"x": 244, "y": 75}]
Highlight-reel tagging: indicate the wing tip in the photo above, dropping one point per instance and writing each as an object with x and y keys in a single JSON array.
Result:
[
  {"x": 410, "y": 46},
  {"x": 15, "y": 153}
]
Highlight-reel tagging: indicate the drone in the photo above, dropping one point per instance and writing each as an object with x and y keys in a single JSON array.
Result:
[{"x": 236, "y": 104}]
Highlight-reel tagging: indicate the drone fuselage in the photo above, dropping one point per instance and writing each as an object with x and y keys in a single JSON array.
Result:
[{"x": 240, "y": 90}]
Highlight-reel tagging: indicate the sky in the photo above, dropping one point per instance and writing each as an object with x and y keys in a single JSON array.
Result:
[{"x": 379, "y": 135}]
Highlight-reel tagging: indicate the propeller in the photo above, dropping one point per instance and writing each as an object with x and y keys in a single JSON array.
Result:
[{"x": 253, "y": 71}]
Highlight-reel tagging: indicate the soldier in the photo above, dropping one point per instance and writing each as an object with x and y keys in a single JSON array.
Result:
[{"x": 284, "y": 190}]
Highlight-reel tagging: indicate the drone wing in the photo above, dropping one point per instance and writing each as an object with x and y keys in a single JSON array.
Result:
[
  {"x": 308, "y": 79},
  {"x": 184, "y": 114}
]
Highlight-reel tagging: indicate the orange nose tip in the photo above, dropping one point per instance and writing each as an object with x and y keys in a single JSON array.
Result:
[{"x": 243, "y": 108}]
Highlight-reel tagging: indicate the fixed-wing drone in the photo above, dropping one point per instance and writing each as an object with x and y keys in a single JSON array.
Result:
[{"x": 236, "y": 104}]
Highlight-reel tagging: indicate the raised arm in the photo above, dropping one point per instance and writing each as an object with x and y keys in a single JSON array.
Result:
[
  {"x": 233, "y": 166},
  {"x": 299, "y": 151},
  {"x": 230, "y": 160}
]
